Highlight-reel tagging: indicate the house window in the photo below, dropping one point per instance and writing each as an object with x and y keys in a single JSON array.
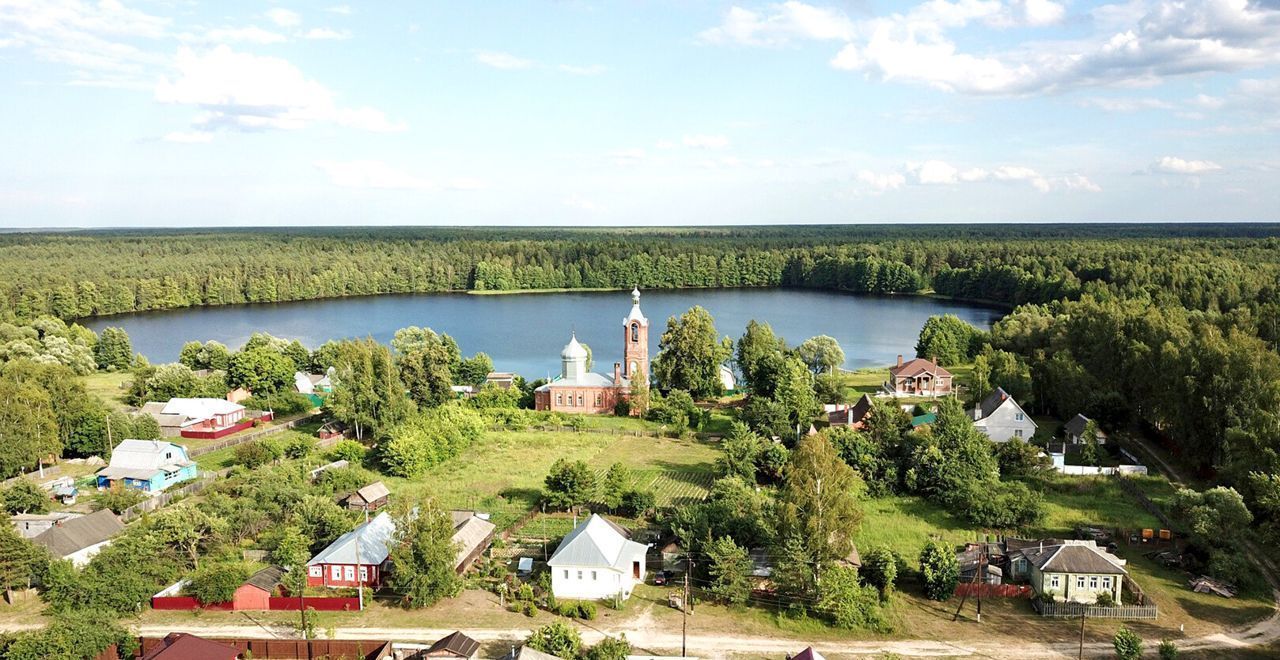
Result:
[
  {"x": 350, "y": 573},
  {"x": 364, "y": 573},
  {"x": 593, "y": 576},
  {"x": 1017, "y": 433},
  {"x": 1019, "y": 416},
  {"x": 1106, "y": 582},
  {"x": 335, "y": 572},
  {"x": 1053, "y": 582},
  {"x": 1079, "y": 581},
  {"x": 315, "y": 571},
  {"x": 559, "y": 399},
  {"x": 579, "y": 399},
  {"x": 579, "y": 575},
  {"x": 566, "y": 574},
  {"x": 168, "y": 454},
  {"x": 1093, "y": 582}
]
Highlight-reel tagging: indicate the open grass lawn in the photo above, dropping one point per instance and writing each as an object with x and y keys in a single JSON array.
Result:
[
  {"x": 503, "y": 473},
  {"x": 110, "y": 387}
]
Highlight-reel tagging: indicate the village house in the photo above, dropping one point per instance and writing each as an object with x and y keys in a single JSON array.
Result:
[
  {"x": 577, "y": 390},
  {"x": 471, "y": 536},
  {"x": 1075, "y": 571},
  {"x": 918, "y": 377},
  {"x": 79, "y": 539},
  {"x": 256, "y": 592},
  {"x": 197, "y": 417},
  {"x": 370, "y": 498},
  {"x": 147, "y": 465},
  {"x": 854, "y": 416},
  {"x": 306, "y": 383},
  {"x": 1002, "y": 419},
  {"x": 358, "y": 557},
  {"x": 503, "y": 380},
  {"x": 597, "y": 560},
  {"x": 453, "y": 645},
  {"x": 1075, "y": 427}
]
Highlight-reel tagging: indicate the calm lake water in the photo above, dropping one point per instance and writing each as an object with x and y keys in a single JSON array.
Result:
[{"x": 525, "y": 332}]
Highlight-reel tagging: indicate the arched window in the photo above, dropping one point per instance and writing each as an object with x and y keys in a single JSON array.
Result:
[
  {"x": 634, "y": 366},
  {"x": 579, "y": 399},
  {"x": 559, "y": 399},
  {"x": 635, "y": 332},
  {"x": 599, "y": 399}
]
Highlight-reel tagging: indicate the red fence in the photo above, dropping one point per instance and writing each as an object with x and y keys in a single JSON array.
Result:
[
  {"x": 215, "y": 434},
  {"x": 335, "y": 649},
  {"x": 994, "y": 590},
  {"x": 329, "y": 604},
  {"x": 326, "y": 604}
]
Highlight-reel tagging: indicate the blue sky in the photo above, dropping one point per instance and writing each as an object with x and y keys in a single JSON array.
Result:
[{"x": 173, "y": 113}]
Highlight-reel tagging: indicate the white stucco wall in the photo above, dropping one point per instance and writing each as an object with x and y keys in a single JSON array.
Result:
[
  {"x": 1002, "y": 425},
  {"x": 591, "y": 583}
]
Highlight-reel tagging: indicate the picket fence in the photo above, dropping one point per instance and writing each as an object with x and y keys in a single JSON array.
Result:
[{"x": 1074, "y": 610}]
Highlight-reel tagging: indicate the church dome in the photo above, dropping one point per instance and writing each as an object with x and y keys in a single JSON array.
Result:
[{"x": 573, "y": 350}]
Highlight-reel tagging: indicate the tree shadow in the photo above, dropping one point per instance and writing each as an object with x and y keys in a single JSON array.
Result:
[{"x": 1224, "y": 614}]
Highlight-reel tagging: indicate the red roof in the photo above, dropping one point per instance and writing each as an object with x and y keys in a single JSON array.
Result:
[
  {"x": 184, "y": 646},
  {"x": 917, "y": 366}
]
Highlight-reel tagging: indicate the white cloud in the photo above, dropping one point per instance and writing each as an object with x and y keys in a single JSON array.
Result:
[
  {"x": 284, "y": 17},
  {"x": 882, "y": 182},
  {"x": 1175, "y": 165},
  {"x": 1079, "y": 182},
  {"x": 779, "y": 25},
  {"x": 578, "y": 202},
  {"x": 932, "y": 172},
  {"x": 250, "y": 92},
  {"x": 590, "y": 70},
  {"x": 250, "y": 34},
  {"x": 339, "y": 9},
  {"x": 706, "y": 141},
  {"x": 501, "y": 60},
  {"x": 324, "y": 33},
  {"x": 192, "y": 137},
  {"x": 665, "y": 145},
  {"x": 628, "y": 156},
  {"x": 371, "y": 174},
  {"x": 98, "y": 41},
  {"x": 1127, "y": 105}
]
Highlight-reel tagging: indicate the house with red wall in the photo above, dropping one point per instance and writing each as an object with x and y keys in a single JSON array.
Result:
[
  {"x": 256, "y": 592},
  {"x": 357, "y": 558}
]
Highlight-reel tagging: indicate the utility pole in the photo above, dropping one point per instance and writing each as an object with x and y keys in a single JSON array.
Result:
[
  {"x": 1081, "y": 653},
  {"x": 684, "y": 619}
]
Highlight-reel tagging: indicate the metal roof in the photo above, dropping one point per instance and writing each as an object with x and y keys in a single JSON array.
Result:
[
  {"x": 597, "y": 542},
  {"x": 76, "y": 534},
  {"x": 373, "y": 538},
  {"x": 149, "y": 455}
]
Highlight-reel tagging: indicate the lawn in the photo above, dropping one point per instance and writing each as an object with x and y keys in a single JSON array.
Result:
[
  {"x": 110, "y": 387},
  {"x": 503, "y": 472},
  {"x": 871, "y": 379}
]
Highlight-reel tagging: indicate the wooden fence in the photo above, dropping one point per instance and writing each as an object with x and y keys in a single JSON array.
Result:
[
  {"x": 1075, "y": 610},
  {"x": 565, "y": 428},
  {"x": 294, "y": 649},
  {"x": 156, "y": 501},
  {"x": 1128, "y": 486},
  {"x": 250, "y": 437}
]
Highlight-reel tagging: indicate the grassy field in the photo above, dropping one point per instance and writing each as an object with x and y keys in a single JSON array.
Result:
[
  {"x": 503, "y": 473},
  {"x": 110, "y": 387},
  {"x": 870, "y": 380}
]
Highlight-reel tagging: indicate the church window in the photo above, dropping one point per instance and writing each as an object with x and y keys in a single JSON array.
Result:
[
  {"x": 599, "y": 399},
  {"x": 559, "y": 399},
  {"x": 579, "y": 399},
  {"x": 635, "y": 332}
]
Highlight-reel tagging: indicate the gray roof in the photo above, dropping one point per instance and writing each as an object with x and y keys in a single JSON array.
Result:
[
  {"x": 993, "y": 401},
  {"x": 1075, "y": 426},
  {"x": 472, "y": 535},
  {"x": 589, "y": 379},
  {"x": 373, "y": 538},
  {"x": 267, "y": 578},
  {"x": 76, "y": 534},
  {"x": 527, "y": 652},
  {"x": 373, "y": 492},
  {"x": 597, "y": 542},
  {"x": 1073, "y": 558}
]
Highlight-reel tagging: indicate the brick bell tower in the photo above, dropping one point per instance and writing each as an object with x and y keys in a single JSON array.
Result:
[{"x": 635, "y": 341}]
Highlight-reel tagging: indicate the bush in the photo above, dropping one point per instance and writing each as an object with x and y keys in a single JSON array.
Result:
[
  {"x": 1128, "y": 644},
  {"x": 1232, "y": 567},
  {"x": 283, "y": 404},
  {"x": 299, "y": 446},
  {"x": 117, "y": 499},
  {"x": 529, "y": 609},
  {"x": 348, "y": 450},
  {"x": 1168, "y": 650},
  {"x": 217, "y": 582},
  {"x": 255, "y": 454},
  {"x": 1105, "y": 599},
  {"x": 429, "y": 438},
  {"x": 610, "y": 648},
  {"x": 23, "y": 496},
  {"x": 587, "y": 611},
  {"x": 880, "y": 570},
  {"x": 558, "y": 639},
  {"x": 939, "y": 570},
  {"x": 637, "y": 503}
]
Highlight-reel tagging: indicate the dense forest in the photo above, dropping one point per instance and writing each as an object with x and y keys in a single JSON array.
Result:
[{"x": 80, "y": 274}]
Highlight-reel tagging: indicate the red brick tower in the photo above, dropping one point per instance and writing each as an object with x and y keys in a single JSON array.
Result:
[{"x": 635, "y": 341}]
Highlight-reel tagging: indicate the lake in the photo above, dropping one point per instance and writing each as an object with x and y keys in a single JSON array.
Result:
[{"x": 524, "y": 333}]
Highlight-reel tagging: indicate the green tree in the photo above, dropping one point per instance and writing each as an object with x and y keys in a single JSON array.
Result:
[
  {"x": 610, "y": 648},
  {"x": 1216, "y": 515},
  {"x": 71, "y": 636},
  {"x": 758, "y": 354},
  {"x": 20, "y": 560},
  {"x": 261, "y": 370},
  {"x": 217, "y": 582},
  {"x": 729, "y": 567},
  {"x": 741, "y": 449},
  {"x": 570, "y": 484},
  {"x": 24, "y": 496},
  {"x": 28, "y": 427},
  {"x": 426, "y": 361},
  {"x": 796, "y": 395},
  {"x": 113, "y": 351},
  {"x": 822, "y": 354},
  {"x": 818, "y": 503},
  {"x": 367, "y": 396},
  {"x": 290, "y": 548},
  {"x": 939, "y": 570},
  {"x": 690, "y": 354},
  {"x": 423, "y": 552},
  {"x": 847, "y": 602},
  {"x": 948, "y": 339},
  {"x": 880, "y": 570},
  {"x": 617, "y": 481},
  {"x": 557, "y": 638},
  {"x": 474, "y": 370},
  {"x": 1128, "y": 644}
]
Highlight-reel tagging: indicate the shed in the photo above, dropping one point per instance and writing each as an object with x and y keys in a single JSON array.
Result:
[
  {"x": 185, "y": 646},
  {"x": 453, "y": 645},
  {"x": 256, "y": 592},
  {"x": 471, "y": 538},
  {"x": 370, "y": 498}
]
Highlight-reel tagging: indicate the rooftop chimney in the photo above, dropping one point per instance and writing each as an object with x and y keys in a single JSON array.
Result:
[
  {"x": 899, "y": 359},
  {"x": 617, "y": 372}
]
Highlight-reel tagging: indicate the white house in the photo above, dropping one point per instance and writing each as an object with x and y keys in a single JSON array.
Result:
[
  {"x": 1075, "y": 571},
  {"x": 307, "y": 383},
  {"x": 1002, "y": 419},
  {"x": 597, "y": 560},
  {"x": 79, "y": 539},
  {"x": 182, "y": 414},
  {"x": 1075, "y": 429}
]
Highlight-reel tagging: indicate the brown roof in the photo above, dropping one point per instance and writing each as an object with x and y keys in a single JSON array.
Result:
[
  {"x": 267, "y": 578},
  {"x": 853, "y": 414},
  {"x": 471, "y": 538},
  {"x": 917, "y": 366},
  {"x": 185, "y": 646},
  {"x": 76, "y": 534},
  {"x": 455, "y": 644}
]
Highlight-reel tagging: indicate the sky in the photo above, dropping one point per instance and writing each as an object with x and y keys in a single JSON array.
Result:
[{"x": 636, "y": 112}]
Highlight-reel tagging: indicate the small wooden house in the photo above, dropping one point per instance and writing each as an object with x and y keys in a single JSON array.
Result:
[
  {"x": 256, "y": 592},
  {"x": 370, "y": 498},
  {"x": 453, "y": 645}
]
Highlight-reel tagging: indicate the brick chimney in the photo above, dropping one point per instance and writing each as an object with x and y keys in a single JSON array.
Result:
[
  {"x": 899, "y": 359},
  {"x": 617, "y": 372}
]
